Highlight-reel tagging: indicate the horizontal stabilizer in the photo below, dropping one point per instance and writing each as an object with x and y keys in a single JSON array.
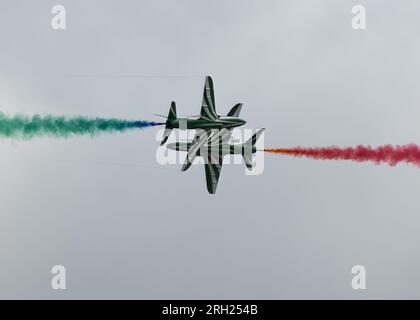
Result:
[
  {"x": 235, "y": 111},
  {"x": 166, "y": 135},
  {"x": 248, "y": 161}
]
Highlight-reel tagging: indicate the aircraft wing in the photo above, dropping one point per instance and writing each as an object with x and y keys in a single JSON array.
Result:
[
  {"x": 222, "y": 136},
  {"x": 213, "y": 168},
  {"x": 203, "y": 136},
  {"x": 208, "y": 106},
  {"x": 213, "y": 165}
]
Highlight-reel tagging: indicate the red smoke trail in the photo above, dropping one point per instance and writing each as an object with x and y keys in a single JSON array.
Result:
[{"x": 391, "y": 155}]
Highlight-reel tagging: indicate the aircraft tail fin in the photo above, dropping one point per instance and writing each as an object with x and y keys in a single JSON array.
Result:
[
  {"x": 253, "y": 140},
  {"x": 168, "y": 128},
  {"x": 249, "y": 148},
  {"x": 172, "y": 111},
  {"x": 235, "y": 111}
]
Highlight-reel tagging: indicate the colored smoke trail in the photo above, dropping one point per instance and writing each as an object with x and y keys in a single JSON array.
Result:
[
  {"x": 24, "y": 127},
  {"x": 391, "y": 155}
]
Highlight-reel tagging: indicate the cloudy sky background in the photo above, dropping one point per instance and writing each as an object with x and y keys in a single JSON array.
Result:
[{"x": 125, "y": 227}]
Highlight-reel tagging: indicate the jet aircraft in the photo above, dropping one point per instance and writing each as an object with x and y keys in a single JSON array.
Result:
[
  {"x": 208, "y": 118},
  {"x": 217, "y": 145}
]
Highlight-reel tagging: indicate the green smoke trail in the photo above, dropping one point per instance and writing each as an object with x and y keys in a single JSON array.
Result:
[{"x": 25, "y": 127}]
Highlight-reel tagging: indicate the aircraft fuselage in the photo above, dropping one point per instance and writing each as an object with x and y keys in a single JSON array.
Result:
[
  {"x": 216, "y": 148},
  {"x": 201, "y": 123}
]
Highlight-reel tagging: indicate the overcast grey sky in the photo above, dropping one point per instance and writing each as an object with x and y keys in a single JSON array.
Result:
[{"x": 125, "y": 227}]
